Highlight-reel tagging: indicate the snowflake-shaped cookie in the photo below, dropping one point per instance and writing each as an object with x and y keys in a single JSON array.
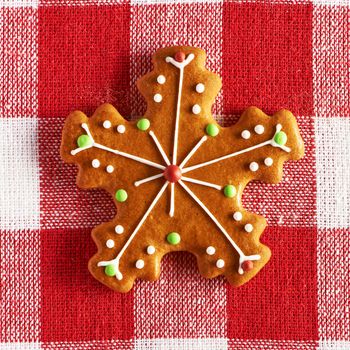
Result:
[{"x": 177, "y": 176}]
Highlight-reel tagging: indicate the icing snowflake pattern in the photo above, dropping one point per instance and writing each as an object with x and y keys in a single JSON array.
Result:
[{"x": 156, "y": 167}]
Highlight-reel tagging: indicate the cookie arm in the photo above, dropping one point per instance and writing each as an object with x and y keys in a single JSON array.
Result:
[
  {"x": 242, "y": 256},
  {"x": 92, "y": 144},
  {"x": 271, "y": 142}
]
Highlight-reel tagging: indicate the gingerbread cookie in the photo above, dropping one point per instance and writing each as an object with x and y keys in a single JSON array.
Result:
[{"x": 177, "y": 177}]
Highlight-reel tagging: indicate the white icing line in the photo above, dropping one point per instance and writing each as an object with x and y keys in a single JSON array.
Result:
[
  {"x": 116, "y": 261},
  {"x": 172, "y": 200},
  {"x": 181, "y": 66},
  {"x": 234, "y": 154},
  {"x": 77, "y": 150},
  {"x": 200, "y": 182},
  {"x": 114, "y": 151},
  {"x": 245, "y": 258},
  {"x": 147, "y": 179},
  {"x": 274, "y": 144},
  {"x": 202, "y": 205},
  {"x": 160, "y": 148},
  {"x": 176, "y": 131},
  {"x": 268, "y": 142},
  {"x": 193, "y": 151},
  {"x": 86, "y": 128},
  {"x": 242, "y": 257},
  {"x": 130, "y": 156},
  {"x": 80, "y": 149}
]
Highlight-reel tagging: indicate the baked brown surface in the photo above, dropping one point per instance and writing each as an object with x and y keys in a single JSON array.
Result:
[{"x": 191, "y": 221}]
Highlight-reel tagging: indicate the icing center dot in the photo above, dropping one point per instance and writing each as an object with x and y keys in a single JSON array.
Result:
[
  {"x": 172, "y": 173},
  {"x": 180, "y": 56}
]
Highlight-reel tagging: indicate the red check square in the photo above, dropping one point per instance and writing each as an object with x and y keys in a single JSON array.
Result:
[
  {"x": 267, "y": 57},
  {"x": 281, "y": 302},
  {"x": 74, "y": 305},
  {"x": 83, "y": 58}
]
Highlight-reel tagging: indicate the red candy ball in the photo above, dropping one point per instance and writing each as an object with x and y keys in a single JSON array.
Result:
[
  {"x": 172, "y": 173},
  {"x": 180, "y": 56},
  {"x": 247, "y": 265}
]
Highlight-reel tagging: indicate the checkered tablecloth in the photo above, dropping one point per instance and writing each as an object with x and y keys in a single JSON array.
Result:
[{"x": 61, "y": 55}]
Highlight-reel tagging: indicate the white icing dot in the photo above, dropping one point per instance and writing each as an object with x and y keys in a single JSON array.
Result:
[
  {"x": 161, "y": 79},
  {"x": 110, "y": 169},
  {"x": 238, "y": 216},
  {"x": 151, "y": 250},
  {"x": 253, "y": 166},
  {"x": 157, "y": 98},
  {"x": 196, "y": 109},
  {"x": 268, "y": 161},
  {"x": 140, "y": 264},
  {"x": 248, "y": 228},
  {"x": 110, "y": 243},
  {"x": 95, "y": 163},
  {"x": 200, "y": 88},
  {"x": 210, "y": 250},
  {"x": 245, "y": 134},
  {"x": 107, "y": 124},
  {"x": 220, "y": 264},
  {"x": 259, "y": 129},
  {"x": 119, "y": 229},
  {"x": 121, "y": 129}
]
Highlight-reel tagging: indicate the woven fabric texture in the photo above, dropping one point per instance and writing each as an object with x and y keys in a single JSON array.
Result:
[{"x": 61, "y": 55}]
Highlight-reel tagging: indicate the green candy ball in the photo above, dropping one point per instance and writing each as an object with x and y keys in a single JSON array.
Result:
[
  {"x": 280, "y": 138},
  {"x": 212, "y": 130},
  {"x": 143, "y": 124},
  {"x": 110, "y": 270},
  {"x": 84, "y": 141},
  {"x": 121, "y": 195},
  {"x": 229, "y": 191},
  {"x": 173, "y": 238}
]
